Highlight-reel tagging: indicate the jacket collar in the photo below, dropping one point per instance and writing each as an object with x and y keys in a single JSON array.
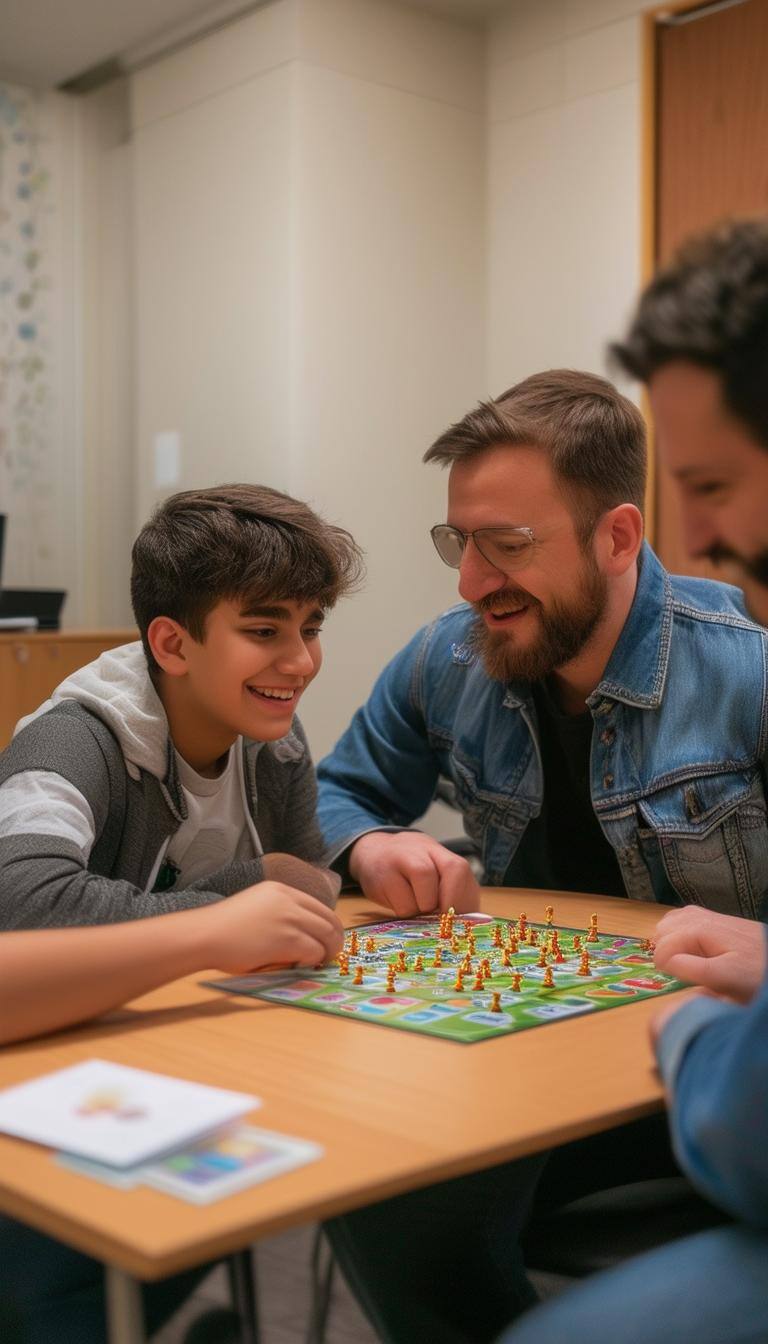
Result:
[{"x": 637, "y": 669}]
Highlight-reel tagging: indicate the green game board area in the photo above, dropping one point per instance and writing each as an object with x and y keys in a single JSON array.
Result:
[{"x": 427, "y": 1001}]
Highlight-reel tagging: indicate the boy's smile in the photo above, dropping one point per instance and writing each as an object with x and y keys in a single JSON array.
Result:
[{"x": 244, "y": 678}]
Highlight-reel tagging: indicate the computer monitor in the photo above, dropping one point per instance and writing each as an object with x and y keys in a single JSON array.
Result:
[{"x": 42, "y": 605}]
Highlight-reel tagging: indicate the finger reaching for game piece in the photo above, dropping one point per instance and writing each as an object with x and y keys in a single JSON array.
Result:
[
  {"x": 722, "y": 953},
  {"x": 412, "y": 873},
  {"x": 288, "y": 928}
]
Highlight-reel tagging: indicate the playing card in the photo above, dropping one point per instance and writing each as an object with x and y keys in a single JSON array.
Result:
[{"x": 226, "y": 1162}]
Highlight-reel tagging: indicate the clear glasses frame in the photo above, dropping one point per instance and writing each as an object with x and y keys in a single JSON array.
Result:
[{"x": 506, "y": 548}]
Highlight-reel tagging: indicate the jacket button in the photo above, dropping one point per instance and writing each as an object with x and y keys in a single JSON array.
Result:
[
  {"x": 608, "y": 736},
  {"x": 692, "y": 808},
  {"x": 607, "y": 781}
]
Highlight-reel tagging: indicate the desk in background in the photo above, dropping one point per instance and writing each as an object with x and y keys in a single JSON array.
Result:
[
  {"x": 394, "y": 1111},
  {"x": 32, "y": 663}
]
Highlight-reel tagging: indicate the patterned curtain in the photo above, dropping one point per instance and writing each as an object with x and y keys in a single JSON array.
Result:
[{"x": 27, "y": 376}]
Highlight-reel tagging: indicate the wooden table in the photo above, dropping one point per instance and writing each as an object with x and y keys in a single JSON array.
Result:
[
  {"x": 394, "y": 1111},
  {"x": 33, "y": 662}
]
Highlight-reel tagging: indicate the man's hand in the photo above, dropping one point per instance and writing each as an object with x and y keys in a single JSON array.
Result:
[
  {"x": 321, "y": 883},
  {"x": 270, "y": 924},
  {"x": 723, "y": 953},
  {"x": 412, "y": 874}
]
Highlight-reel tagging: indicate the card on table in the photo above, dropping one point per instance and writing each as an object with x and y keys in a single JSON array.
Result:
[
  {"x": 226, "y": 1162},
  {"x": 114, "y": 1114}
]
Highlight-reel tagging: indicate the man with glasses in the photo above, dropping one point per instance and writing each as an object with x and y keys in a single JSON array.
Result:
[{"x": 563, "y": 701}]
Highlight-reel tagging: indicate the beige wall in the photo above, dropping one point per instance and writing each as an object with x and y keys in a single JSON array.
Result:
[
  {"x": 310, "y": 215},
  {"x": 563, "y": 182},
  {"x": 318, "y": 235}
]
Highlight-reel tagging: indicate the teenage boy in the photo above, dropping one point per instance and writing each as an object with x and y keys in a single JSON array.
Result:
[
  {"x": 699, "y": 339},
  {"x": 163, "y": 777},
  {"x": 563, "y": 702},
  {"x": 171, "y": 773}
]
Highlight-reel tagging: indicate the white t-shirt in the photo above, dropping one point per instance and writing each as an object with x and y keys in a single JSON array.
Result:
[{"x": 216, "y": 831}]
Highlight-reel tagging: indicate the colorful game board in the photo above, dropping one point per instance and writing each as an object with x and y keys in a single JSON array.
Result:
[{"x": 533, "y": 974}]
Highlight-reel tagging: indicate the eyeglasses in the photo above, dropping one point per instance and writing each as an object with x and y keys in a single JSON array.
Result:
[{"x": 506, "y": 548}]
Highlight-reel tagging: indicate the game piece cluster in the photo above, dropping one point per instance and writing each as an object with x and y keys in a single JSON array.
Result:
[
  {"x": 468, "y": 978},
  {"x": 463, "y": 948}
]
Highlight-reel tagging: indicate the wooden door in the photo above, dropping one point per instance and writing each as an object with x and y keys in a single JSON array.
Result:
[{"x": 711, "y": 157}]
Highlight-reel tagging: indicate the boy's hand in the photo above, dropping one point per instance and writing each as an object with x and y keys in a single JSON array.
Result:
[
  {"x": 321, "y": 883},
  {"x": 270, "y": 924},
  {"x": 723, "y": 953},
  {"x": 412, "y": 874}
]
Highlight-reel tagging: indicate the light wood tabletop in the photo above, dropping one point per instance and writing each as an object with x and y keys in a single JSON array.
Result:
[{"x": 393, "y": 1110}]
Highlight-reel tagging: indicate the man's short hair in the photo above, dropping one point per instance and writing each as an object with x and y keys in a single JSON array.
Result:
[
  {"x": 710, "y": 307},
  {"x": 594, "y": 438},
  {"x": 232, "y": 542}
]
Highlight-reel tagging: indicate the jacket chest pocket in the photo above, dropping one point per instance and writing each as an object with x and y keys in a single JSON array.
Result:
[
  {"x": 494, "y": 824},
  {"x": 712, "y": 838}
]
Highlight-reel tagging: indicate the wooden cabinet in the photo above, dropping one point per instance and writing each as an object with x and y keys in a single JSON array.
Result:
[{"x": 32, "y": 665}]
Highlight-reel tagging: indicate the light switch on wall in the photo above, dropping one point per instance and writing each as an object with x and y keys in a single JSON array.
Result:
[{"x": 167, "y": 458}]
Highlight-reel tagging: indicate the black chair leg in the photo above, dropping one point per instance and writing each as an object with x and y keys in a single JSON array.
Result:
[
  {"x": 322, "y": 1288},
  {"x": 242, "y": 1283}
]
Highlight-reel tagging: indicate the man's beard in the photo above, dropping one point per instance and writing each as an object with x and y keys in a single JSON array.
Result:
[
  {"x": 755, "y": 566},
  {"x": 565, "y": 629}
]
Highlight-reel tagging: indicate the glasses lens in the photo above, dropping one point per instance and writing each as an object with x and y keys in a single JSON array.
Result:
[
  {"x": 449, "y": 544},
  {"x": 507, "y": 548}
]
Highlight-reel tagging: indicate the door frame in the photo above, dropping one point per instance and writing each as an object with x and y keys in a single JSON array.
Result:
[{"x": 650, "y": 20}]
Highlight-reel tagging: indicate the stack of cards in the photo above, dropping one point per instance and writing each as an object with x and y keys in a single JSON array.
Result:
[
  {"x": 212, "y": 1168},
  {"x": 128, "y": 1127},
  {"x": 113, "y": 1114}
]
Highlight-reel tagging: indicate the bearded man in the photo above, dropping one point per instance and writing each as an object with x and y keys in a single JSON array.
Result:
[
  {"x": 569, "y": 702},
  {"x": 562, "y": 700}
]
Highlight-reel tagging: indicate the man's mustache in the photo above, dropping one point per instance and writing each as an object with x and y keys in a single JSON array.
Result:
[
  {"x": 755, "y": 566},
  {"x": 495, "y": 601}
]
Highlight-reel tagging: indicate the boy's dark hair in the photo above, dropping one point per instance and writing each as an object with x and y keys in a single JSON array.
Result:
[
  {"x": 710, "y": 307},
  {"x": 594, "y": 438},
  {"x": 236, "y": 541}
]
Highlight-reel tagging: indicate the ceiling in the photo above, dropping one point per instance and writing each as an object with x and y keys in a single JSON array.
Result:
[{"x": 47, "y": 43}]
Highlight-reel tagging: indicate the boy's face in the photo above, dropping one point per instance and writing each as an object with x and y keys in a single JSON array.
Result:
[{"x": 249, "y": 671}]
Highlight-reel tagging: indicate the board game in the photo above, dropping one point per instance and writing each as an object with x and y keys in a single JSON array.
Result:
[{"x": 467, "y": 978}]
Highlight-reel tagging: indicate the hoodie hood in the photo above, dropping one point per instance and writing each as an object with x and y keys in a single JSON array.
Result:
[{"x": 118, "y": 689}]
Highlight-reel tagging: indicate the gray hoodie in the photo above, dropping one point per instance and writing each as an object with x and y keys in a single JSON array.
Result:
[{"x": 90, "y": 798}]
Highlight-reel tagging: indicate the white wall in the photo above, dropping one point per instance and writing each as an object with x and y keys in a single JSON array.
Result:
[
  {"x": 390, "y": 313},
  {"x": 563, "y": 183},
  {"x": 309, "y": 188},
  {"x": 322, "y": 233},
  {"x": 213, "y": 170},
  {"x": 107, "y": 365}
]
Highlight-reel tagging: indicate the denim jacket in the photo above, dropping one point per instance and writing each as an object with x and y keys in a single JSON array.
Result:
[
  {"x": 713, "y": 1057},
  {"x": 677, "y": 758}
]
